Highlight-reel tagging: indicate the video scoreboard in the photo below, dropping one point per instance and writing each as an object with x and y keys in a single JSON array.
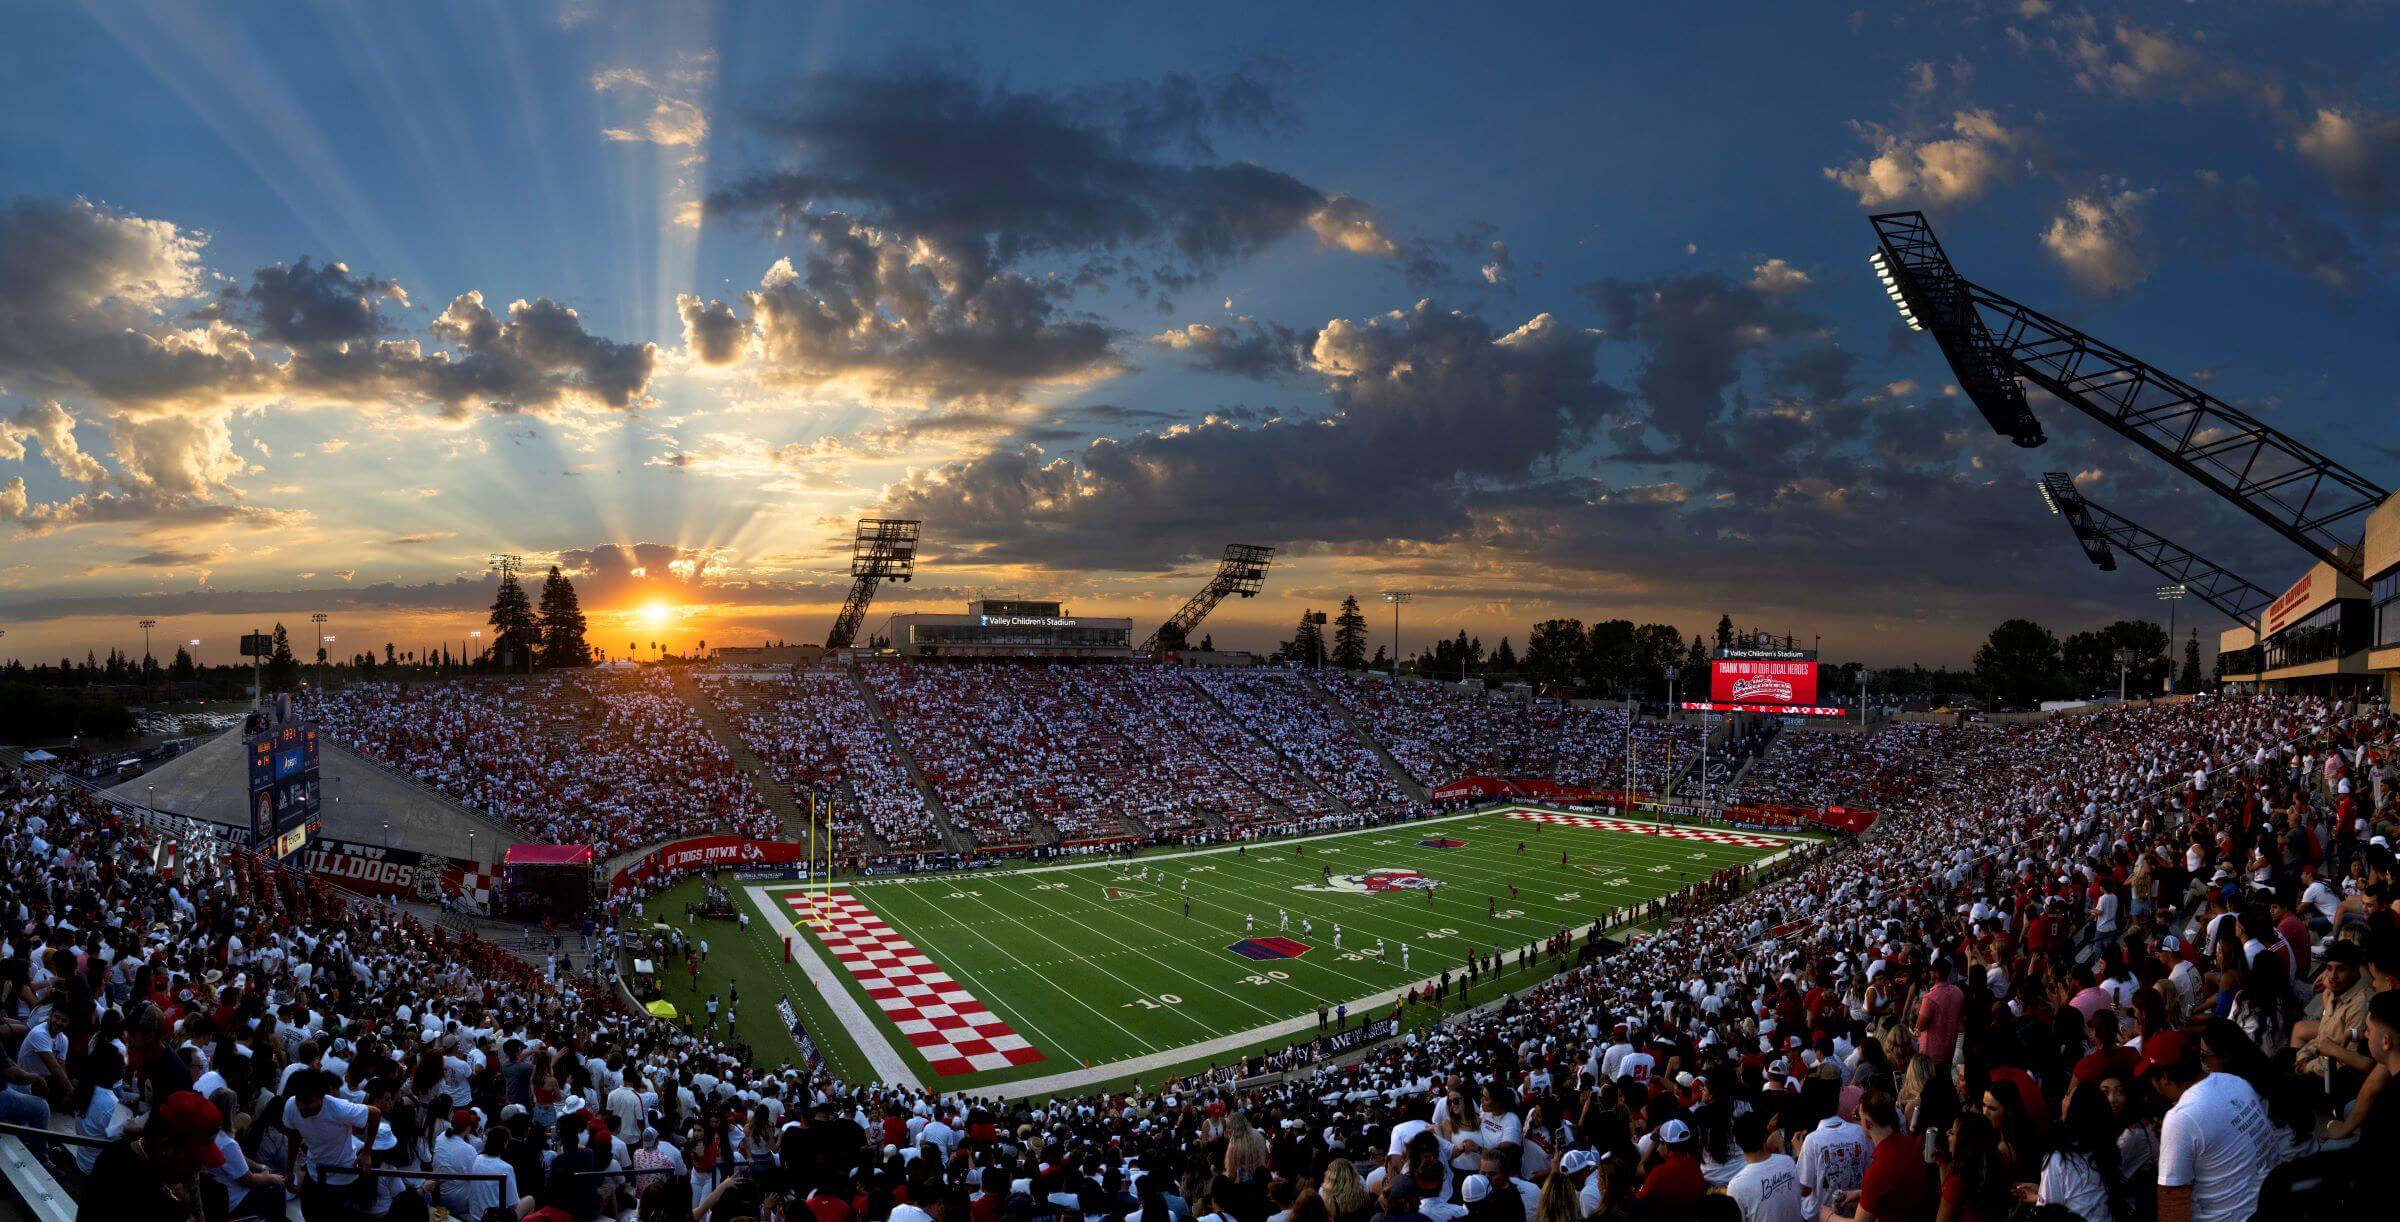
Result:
[
  {"x": 1763, "y": 680},
  {"x": 284, "y": 798}
]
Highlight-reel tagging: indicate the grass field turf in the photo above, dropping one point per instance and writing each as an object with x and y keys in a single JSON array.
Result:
[{"x": 1094, "y": 961}]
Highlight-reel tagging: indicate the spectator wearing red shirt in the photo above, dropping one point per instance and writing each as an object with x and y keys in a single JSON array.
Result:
[
  {"x": 1899, "y": 1185},
  {"x": 1674, "y": 1187}
]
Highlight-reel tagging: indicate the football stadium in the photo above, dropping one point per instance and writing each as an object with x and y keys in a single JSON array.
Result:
[{"x": 734, "y": 612}]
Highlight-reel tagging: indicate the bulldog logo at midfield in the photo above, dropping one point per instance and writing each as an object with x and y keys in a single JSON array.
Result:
[{"x": 1368, "y": 882}]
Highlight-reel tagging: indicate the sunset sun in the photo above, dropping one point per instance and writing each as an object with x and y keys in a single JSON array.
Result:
[{"x": 655, "y": 615}]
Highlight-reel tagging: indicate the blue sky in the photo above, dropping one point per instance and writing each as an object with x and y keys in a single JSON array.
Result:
[{"x": 1553, "y": 310}]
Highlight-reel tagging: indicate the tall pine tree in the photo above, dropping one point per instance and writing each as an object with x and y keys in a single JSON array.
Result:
[
  {"x": 1350, "y": 635},
  {"x": 515, "y": 631},
  {"x": 1308, "y": 644},
  {"x": 283, "y": 670},
  {"x": 562, "y": 624}
]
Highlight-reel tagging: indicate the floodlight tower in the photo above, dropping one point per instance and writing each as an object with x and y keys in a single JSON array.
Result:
[
  {"x": 1996, "y": 346},
  {"x": 1397, "y": 598},
  {"x": 1242, "y": 570},
  {"x": 2098, "y": 530},
  {"x": 884, "y": 548}
]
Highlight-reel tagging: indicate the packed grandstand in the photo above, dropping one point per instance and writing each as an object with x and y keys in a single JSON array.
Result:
[{"x": 2118, "y": 964}]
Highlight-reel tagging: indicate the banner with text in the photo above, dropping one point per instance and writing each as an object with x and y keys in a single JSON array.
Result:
[
  {"x": 709, "y": 853},
  {"x": 372, "y": 869}
]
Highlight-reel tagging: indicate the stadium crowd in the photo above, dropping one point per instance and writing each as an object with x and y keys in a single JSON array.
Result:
[
  {"x": 606, "y": 759},
  {"x": 815, "y": 730},
  {"x": 1023, "y": 753},
  {"x": 2140, "y": 963},
  {"x": 1811, "y": 767},
  {"x": 1275, "y": 705}
]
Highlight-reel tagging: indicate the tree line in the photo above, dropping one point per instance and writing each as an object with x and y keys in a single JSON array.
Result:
[
  {"x": 2019, "y": 665},
  {"x": 2022, "y": 663}
]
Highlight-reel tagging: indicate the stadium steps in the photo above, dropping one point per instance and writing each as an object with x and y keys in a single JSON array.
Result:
[
  {"x": 1408, "y": 784},
  {"x": 1687, "y": 774},
  {"x": 1333, "y": 800},
  {"x": 770, "y": 787},
  {"x": 952, "y": 838}
]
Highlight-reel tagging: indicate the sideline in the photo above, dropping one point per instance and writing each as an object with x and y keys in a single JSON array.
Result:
[{"x": 857, "y": 1026}]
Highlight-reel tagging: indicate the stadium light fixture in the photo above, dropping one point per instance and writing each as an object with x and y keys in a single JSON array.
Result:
[{"x": 1891, "y": 289}]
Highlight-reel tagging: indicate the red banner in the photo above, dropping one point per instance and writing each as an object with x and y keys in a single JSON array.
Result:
[
  {"x": 1762, "y": 682},
  {"x": 708, "y": 853}
]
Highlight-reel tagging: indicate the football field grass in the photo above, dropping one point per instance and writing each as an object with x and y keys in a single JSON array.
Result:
[{"x": 1178, "y": 959}]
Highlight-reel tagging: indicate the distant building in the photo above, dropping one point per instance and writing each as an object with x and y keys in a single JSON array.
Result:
[
  {"x": 1009, "y": 628},
  {"x": 768, "y": 655},
  {"x": 2328, "y": 635}
]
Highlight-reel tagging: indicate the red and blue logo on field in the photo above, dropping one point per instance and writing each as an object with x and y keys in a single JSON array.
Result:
[
  {"x": 1269, "y": 948},
  {"x": 1442, "y": 843},
  {"x": 1372, "y": 881}
]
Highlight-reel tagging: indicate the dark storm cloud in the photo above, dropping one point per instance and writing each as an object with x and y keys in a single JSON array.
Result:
[
  {"x": 1245, "y": 348},
  {"x": 1003, "y": 173},
  {"x": 88, "y": 299},
  {"x": 711, "y": 330},
  {"x": 84, "y": 296},
  {"x": 309, "y": 305},
  {"x": 1696, "y": 332},
  {"x": 1425, "y": 401},
  {"x": 871, "y": 307},
  {"x": 539, "y": 357}
]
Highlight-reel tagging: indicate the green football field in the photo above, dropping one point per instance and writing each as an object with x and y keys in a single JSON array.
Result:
[{"x": 1172, "y": 960}]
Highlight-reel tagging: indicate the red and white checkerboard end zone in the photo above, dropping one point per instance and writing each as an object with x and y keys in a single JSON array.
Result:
[
  {"x": 955, "y": 1033},
  {"x": 1701, "y": 834}
]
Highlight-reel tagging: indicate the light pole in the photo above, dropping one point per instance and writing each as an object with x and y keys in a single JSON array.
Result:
[
  {"x": 2171, "y": 595},
  {"x": 1862, "y": 697},
  {"x": 147, "y": 625},
  {"x": 1396, "y": 597},
  {"x": 475, "y": 634},
  {"x": 318, "y": 618}
]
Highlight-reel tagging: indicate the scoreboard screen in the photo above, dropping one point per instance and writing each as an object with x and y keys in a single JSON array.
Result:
[
  {"x": 1763, "y": 684},
  {"x": 284, "y": 798}
]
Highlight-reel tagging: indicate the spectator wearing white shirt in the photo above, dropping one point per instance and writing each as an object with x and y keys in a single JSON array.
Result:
[{"x": 2214, "y": 1144}]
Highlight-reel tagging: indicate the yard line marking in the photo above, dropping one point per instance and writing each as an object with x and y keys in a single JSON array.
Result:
[
  {"x": 1019, "y": 960},
  {"x": 1102, "y": 1015},
  {"x": 1195, "y": 979},
  {"x": 953, "y": 1031}
]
